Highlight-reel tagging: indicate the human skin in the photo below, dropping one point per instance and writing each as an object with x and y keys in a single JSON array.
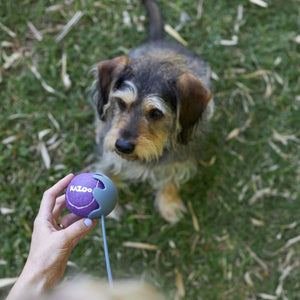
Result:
[{"x": 51, "y": 245}]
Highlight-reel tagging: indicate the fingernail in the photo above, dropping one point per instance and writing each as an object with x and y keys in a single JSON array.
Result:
[{"x": 88, "y": 222}]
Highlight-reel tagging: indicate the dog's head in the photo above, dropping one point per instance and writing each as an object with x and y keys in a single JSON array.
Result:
[{"x": 150, "y": 105}]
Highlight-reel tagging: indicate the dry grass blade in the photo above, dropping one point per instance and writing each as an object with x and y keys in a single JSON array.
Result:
[
  {"x": 248, "y": 279},
  {"x": 45, "y": 155},
  {"x": 43, "y": 133},
  {"x": 289, "y": 243},
  {"x": 240, "y": 13},
  {"x": 199, "y": 9},
  {"x": 7, "y": 30},
  {"x": 283, "y": 276},
  {"x": 239, "y": 19},
  {"x": 233, "y": 134},
  {"x": 38, "y": 76},
  {"x": 259, "y": 3},
  {"x": 260, "y": 194},
  {"x": 194, "y": 218},
  {"x": 292, "y": 241},
  {"x": 6, "y": 211},
  {"x": 19, "y": 116},
  {"x": 53, "y": 120},
  {"x": 269, "y": 86},
  {"x": 54, "y": 8},
  {"x": 65, "y": 77},
  {"x": 179, "y": 284},
  {"x": 232, "y": 42},
  {"x": 11, "y": 60},
  {"x": 139, "y": 245},
  {"x": 289, "y": 226},
  {"x": 267, "y": 296},
  {"x": 284, "y": 138},
  {"x": 126, "y": 19},
  {"x": 9, "y": 139},
  {"x": 74, "y": 20},
  {"x": 6, "y": 44},
  {"x": 297, "y": 39},
  {"x": 172, "y": 32},
  {"x": 255, "y": 74},
  {"x": 277, "y": 150},
  {"x": 210, "y": 163},
  {"x": 214, "y": 76},
  {"x": 256, "y": 258},
  {"x": 7, "y": 281},
  {"x": 37, "y": 34},
  {"x": 256, "y": 222}
]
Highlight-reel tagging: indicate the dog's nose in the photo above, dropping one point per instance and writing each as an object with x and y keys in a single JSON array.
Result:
[{"x": 125, "y": 146}]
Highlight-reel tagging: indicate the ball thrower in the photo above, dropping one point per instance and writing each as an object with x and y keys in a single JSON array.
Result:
[{"x": 93, "y": 196}]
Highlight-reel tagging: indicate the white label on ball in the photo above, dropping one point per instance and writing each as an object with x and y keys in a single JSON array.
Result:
[{"x": 79, "y": 188}]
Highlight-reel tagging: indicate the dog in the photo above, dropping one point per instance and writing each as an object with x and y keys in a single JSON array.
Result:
[{"x": 153, "y": 106}]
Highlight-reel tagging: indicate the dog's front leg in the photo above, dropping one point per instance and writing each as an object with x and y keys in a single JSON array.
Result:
[{"x": 169, "y": 203}]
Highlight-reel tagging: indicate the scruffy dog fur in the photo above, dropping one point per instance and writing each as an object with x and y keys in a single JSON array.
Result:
[{"x": 153, "y": 106}]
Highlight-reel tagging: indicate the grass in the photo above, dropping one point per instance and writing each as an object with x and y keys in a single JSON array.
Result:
[{"x": 246, "y": 201}]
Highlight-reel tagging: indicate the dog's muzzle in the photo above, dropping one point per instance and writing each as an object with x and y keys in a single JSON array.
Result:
[{"x": 124, "y": 146}]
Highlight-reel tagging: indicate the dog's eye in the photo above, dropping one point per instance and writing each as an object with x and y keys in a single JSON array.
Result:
[
  {"x": 121, "y": 104},
  {"x": 155, "y": 114}
]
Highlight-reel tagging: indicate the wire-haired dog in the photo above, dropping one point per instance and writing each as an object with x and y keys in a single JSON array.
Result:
[{"x": 153, "y": 105}]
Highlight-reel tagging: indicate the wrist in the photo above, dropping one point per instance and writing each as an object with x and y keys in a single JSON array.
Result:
[
  {"x": 29, "y": 282},
  {"x": 42, "y": 274}
]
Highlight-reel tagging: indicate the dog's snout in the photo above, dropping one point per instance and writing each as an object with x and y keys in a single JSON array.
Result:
[{"x": 125, "y": 146}]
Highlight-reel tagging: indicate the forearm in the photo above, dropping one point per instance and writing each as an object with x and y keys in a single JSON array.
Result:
[{"x": 35, "y": 279}]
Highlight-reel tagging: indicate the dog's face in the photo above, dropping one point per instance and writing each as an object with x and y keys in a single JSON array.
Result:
[{"x": 150, "y": 105}]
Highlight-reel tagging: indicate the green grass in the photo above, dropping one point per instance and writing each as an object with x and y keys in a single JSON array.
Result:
[{"x": 215, "y": 261}]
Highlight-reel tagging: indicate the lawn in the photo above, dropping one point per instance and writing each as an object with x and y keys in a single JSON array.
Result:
[{"x": 240, "y": 238}]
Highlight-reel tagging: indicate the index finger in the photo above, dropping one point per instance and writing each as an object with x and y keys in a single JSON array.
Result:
[{"x": 50, "y": 195}]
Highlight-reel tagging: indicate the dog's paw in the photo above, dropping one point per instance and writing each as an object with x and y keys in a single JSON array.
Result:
[
  {"x": 172, "y": 212},
  {"x": 170, "y": 205}
]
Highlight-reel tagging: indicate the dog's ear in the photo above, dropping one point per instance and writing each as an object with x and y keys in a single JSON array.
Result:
[
  {"x": 108, "y": 71},
  {"x": 193, "y": 98}
]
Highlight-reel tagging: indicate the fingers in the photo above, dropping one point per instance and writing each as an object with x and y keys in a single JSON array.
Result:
[
  {"x": 49, "y": 197},
  {"x": 68, "y": 220},
  {"x": 60, "y": 204},
  {"x": 78, "y": 230}
]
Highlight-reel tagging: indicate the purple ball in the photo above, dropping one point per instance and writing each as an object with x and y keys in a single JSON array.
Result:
[{"x": 79, "y": 194}]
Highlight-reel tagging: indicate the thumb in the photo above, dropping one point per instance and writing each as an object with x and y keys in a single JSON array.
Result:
[{"x": 78, "y": 230}]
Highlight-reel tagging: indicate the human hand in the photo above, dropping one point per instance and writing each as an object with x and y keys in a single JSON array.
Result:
[{"x": 50, "y": 244}]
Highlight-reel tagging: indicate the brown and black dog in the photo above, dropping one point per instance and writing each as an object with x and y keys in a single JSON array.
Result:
[{"x": 153, "y": 106}]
